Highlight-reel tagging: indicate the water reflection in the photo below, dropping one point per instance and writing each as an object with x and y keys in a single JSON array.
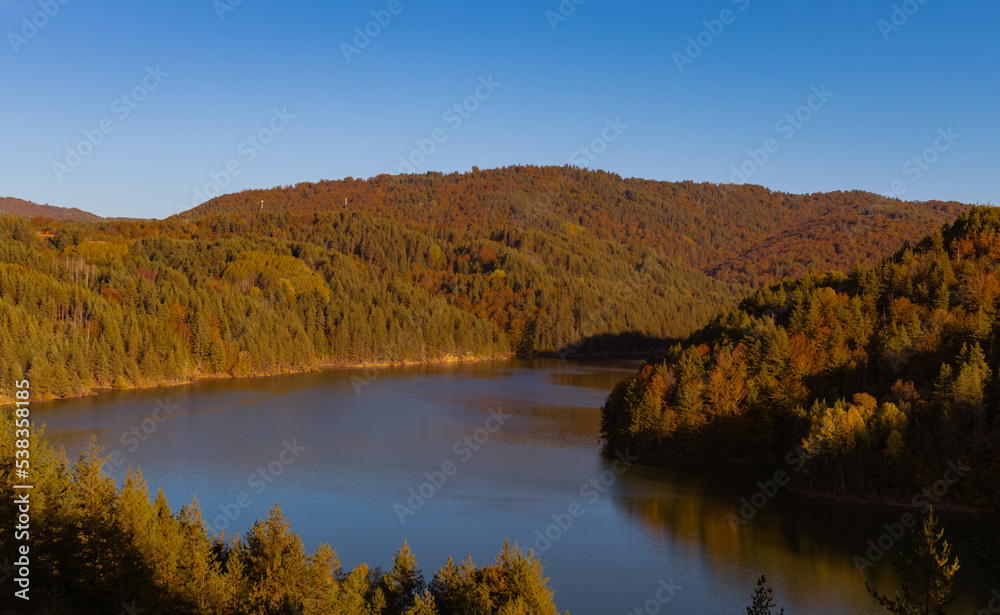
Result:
[
  {"x": 365, "y": 451},
  {"x": 805, "y": 547}
]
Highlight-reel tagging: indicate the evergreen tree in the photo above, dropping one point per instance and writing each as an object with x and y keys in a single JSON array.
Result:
[
  {"x": 275, "y": 564},
  {"x": 403, "y": 583},
  {"x": 763, "y": 599},
  {"x": 927, "y": 574},
  {"x": 423, "y": 605},
  {"x": 94, "y": 539}
]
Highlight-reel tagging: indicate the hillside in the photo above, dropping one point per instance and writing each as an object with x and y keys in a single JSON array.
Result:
[
  {"x": 126, "y": 303},
  {"x": 10, "y": 206},
  {"x": 865, "y": 385},
  {"x": 741, "y": 234},
  {"x": 412, "y": 269}
]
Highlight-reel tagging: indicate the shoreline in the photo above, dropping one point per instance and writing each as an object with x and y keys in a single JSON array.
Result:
[
  {"x": 9, "y": 401},
  {"x": 888, "y": 502},
  {"x": 6, "y": 402},
  {"x": 885, "y": 502}
]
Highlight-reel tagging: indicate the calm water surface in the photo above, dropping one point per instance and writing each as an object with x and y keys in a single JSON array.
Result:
[{"x": 363, "y": 443}]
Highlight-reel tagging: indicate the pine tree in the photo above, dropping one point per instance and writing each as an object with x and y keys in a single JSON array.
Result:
[
  {"x": 98, "y": 540},
  {"x": 927, "y": 574},
  {"x": 321, "y": 583},
  {"x": 763, "y": 599},
  {"x": 403, "y": 583},
  {"x": 353, "y": 594},
  {"x": 136, "y": 517},
  {"x": 524, "y": 581},
  {"x": 968, "y": 390},
  {"x": 198, "y": 568},
  {"x": 168, "y": 547},
  {"x": 423, "y": 605},
  {"x": 234, "y": 586},
  {"x": 276, "y": 565}
]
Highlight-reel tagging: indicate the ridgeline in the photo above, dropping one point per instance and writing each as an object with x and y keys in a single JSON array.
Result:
[{"x": 488, "y": 264}]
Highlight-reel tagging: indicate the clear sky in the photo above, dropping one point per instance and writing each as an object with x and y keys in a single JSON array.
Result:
[{"x": 144, "y": 108}]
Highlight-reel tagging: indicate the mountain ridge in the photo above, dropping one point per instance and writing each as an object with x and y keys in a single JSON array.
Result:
[
  {"x": 13, "y": 206},
  {"x": 710, "y": 227}
]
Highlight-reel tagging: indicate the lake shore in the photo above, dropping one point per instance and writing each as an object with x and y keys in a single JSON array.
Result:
[
  {"x": 813, "y": 494},
  {"x": 9, "y": 401}
]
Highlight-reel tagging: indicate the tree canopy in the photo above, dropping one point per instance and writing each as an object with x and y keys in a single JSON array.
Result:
[{"x": 880, "y": 383}]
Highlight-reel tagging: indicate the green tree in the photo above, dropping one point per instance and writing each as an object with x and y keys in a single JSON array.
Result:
[
  {"x": 95, "y": 539},
  {"x": 403, "y": 583},
  {"x": 321, "y": 583},
  {"x": 423, "y": 605},
  {"x": 927, "y": 574},
  {"x": 275, "y": 565}
]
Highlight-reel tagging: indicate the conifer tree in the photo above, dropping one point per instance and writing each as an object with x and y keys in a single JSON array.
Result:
[
  {"x": 197, "y": 566},
  {"x": 275, "y": 563},
  {"x": 94, "y": 540},
  {"x": 403, "y": 583},
  {"x": 423, "y": 605},
  {"x": 763, "y": 599},
  {"x": 927, "y": 572},
  {"x": 322, "y": 581}
]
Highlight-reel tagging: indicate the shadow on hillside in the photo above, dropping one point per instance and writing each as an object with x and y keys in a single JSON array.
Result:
[{"x": 624, "y": 345}]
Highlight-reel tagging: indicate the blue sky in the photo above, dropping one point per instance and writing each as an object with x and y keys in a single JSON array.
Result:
[{"x": 218, "y": 77}]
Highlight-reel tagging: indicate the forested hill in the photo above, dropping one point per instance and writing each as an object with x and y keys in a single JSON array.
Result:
[
  {"x": 26, "y": 209},
  {"x": 133, "y": 303},
  {"x": 870, "y": 384},
  {"x": 414, "y": 268},
  {"x": 737, "y": 233}
]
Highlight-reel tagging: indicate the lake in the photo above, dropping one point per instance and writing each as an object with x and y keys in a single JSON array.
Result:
[{"x": 457, "y": 458}]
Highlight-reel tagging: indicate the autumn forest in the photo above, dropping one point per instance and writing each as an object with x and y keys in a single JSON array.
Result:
[{"x": 850, "y": 336}]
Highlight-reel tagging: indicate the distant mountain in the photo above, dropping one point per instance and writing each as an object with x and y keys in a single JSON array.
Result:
[
  {"x": 737, "y": 233},
  {"x": 26, "y": 209}
]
